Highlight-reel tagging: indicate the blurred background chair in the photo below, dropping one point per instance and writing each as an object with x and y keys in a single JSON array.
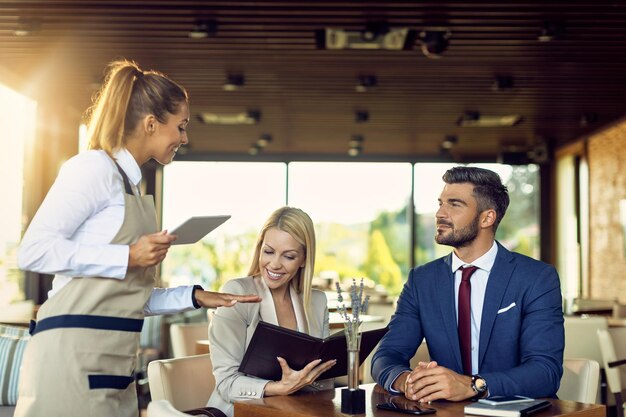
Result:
[
  {"x": 187, "y": 383},
  {"x": 580, "y": 380},
  {"x": 613, "y": 345},
  {"x": 581, "y": 343},
  {"x": 184, "y": 336}
]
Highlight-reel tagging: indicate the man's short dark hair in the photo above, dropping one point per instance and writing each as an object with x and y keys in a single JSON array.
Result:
[{"x": 489, "y": 191}]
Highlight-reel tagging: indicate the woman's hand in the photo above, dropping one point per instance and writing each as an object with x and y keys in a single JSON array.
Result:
[
  {"x": 210, "y": 299},
  {"x": 292, "y": 380},
  {"x": 149, "y": 250}
]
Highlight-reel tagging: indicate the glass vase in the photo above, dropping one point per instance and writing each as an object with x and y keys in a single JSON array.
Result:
[{"x": 353, "y": 342}]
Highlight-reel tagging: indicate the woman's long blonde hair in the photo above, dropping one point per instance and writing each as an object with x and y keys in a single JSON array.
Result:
[
  {"x": 127, "y": 95},
  {"x": 300, "y": 226}
]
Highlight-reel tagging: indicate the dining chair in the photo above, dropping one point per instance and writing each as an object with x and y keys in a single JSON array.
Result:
[
  {"x": 184, "y": 337},
  {"x": 186, "y": 383},
  {"x": 580, "y": 380},
  {"x": 613, "y": 344}
]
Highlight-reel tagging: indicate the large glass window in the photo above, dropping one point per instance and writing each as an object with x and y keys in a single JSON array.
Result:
[
  {"x": 360, "y": 213},
  {"x": 249, "y": 192},
  {"x": 17, "y": 124}
]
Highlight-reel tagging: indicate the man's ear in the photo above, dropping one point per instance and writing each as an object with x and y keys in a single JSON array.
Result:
[
  {"x": 149, "y": 124},
  {"x": 488, "y": 218}
]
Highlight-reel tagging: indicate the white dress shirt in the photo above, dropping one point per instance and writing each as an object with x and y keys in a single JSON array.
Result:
[
  {"x": 71, "y": 232},
  {"x": 479, "y": 286}
]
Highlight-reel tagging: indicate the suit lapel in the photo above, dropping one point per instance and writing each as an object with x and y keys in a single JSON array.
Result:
[
  {"x": 497, "y": 284},
  {"x": 445, "y": 279}
]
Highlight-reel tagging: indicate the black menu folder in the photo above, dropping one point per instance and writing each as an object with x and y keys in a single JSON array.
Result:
[{"x": 298, "y": 349}]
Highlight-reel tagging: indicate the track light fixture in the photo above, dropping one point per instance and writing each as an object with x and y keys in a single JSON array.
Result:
[
  {"x": 434, "y": 41},
  {"x": 588, "y": 119},
  {"x": 203, "y": 29}
]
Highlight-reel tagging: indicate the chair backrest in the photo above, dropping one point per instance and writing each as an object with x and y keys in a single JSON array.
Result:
[
  {"x": 163, "y": 408},
  {"x": 580, "y": 381},
  {"x": 187, "y": 382},
  {"x": 579, "y": 337},
  {"x": 184, "y": 337},
  {"x": 613, "y": 345}
]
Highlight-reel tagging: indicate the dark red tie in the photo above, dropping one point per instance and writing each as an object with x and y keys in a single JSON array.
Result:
[{"x": 465, "y": 318}]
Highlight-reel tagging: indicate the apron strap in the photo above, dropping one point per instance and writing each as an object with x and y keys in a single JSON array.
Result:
[
  {"x": 86, "y": 321},
  {"x": 127, "y": 187}
]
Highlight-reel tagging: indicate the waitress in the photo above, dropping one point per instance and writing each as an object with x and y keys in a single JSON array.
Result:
[{"x": 100, "y": 237}]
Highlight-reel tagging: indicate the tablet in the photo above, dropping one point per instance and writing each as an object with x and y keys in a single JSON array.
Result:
[{"x": 195, "y": 228}]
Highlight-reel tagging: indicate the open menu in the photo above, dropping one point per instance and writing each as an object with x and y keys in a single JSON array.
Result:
[{"x": 298, "y": 349}]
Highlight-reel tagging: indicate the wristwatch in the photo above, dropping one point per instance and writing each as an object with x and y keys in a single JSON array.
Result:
[{"x": 479, "y": 385}]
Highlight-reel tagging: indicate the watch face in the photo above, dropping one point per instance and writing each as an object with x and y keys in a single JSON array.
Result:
[{"x": 480, "y": 384}]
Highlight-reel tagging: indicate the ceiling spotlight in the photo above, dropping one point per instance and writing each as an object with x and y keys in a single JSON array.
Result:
[
  {"x": 587, "y": 119},
  {"x": 502, "y": 83},
  {"x": 361, "y": 116},
  {"x": 27, "y": 27},
  {"x": 434, "y": 41},
  {"x": 551, "y": 31},
  {"x": 254, "y": 150},
  {"x": 203, "y": 29},
  {"x": 365, "y": 82},
  {"x": 234, "y": 82},
  {"x": 449, "y": 142},
  {"x": 355, "y": 145},
  {"x": 264, "y": 140},
  {"x": 356, "y": 141}
]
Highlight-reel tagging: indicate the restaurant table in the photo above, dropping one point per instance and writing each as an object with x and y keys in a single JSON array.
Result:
[{"x": 328, "y": 404}]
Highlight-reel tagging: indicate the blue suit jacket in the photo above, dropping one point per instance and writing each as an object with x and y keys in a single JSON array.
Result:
[{"x": 521, "y": 333}]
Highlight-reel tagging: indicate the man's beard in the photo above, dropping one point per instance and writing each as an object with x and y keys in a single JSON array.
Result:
[{"x": 461, "y": 237}]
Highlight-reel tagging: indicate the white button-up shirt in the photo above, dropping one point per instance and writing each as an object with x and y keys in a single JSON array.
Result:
[
  {"x": 71, "y": 232},
  {"x": 479, "y": 286}
]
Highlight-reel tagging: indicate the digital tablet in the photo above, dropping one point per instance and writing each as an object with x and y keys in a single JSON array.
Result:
[
  {"x": 195, "y": 228},
  {"x": 509, "y": 399}
]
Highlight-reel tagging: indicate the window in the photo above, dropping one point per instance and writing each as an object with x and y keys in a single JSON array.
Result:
[
  {"x": 361, "y": 218},
  {"x": 249, "y": 192},
  {"x": 17, "y": 121}
]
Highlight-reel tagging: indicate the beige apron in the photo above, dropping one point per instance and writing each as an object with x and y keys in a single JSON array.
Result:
[{"x": 82, "y": 356}]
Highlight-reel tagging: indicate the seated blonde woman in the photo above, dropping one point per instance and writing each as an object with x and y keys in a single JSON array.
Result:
[{"x": 281, "y": 273}]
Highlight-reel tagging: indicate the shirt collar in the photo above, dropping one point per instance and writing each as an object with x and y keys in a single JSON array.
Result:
[
  {"x": 126, "y": 160},
  {"x": 485, "y": 262}
]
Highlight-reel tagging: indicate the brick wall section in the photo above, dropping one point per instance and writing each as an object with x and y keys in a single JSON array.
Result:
[{"x": 607, "y": 186}]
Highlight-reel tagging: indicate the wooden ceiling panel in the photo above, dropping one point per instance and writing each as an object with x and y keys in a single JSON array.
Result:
[{"x": 563, "y": 89}]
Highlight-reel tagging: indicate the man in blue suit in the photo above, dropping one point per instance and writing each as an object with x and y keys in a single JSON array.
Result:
[{"x": 513, "y": 339}]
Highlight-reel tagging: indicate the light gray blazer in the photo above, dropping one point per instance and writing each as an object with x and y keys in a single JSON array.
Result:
[{"x": 231, "y": 329}]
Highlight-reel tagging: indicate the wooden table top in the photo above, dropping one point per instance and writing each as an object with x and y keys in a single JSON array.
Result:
[{"x": 328, "y": 403}]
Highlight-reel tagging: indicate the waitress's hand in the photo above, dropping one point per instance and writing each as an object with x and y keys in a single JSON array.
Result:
[
  {"x": 150, "y": 250},
  {"x": 210, "y": 299},
  {"x": 292, "y": 380}
]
